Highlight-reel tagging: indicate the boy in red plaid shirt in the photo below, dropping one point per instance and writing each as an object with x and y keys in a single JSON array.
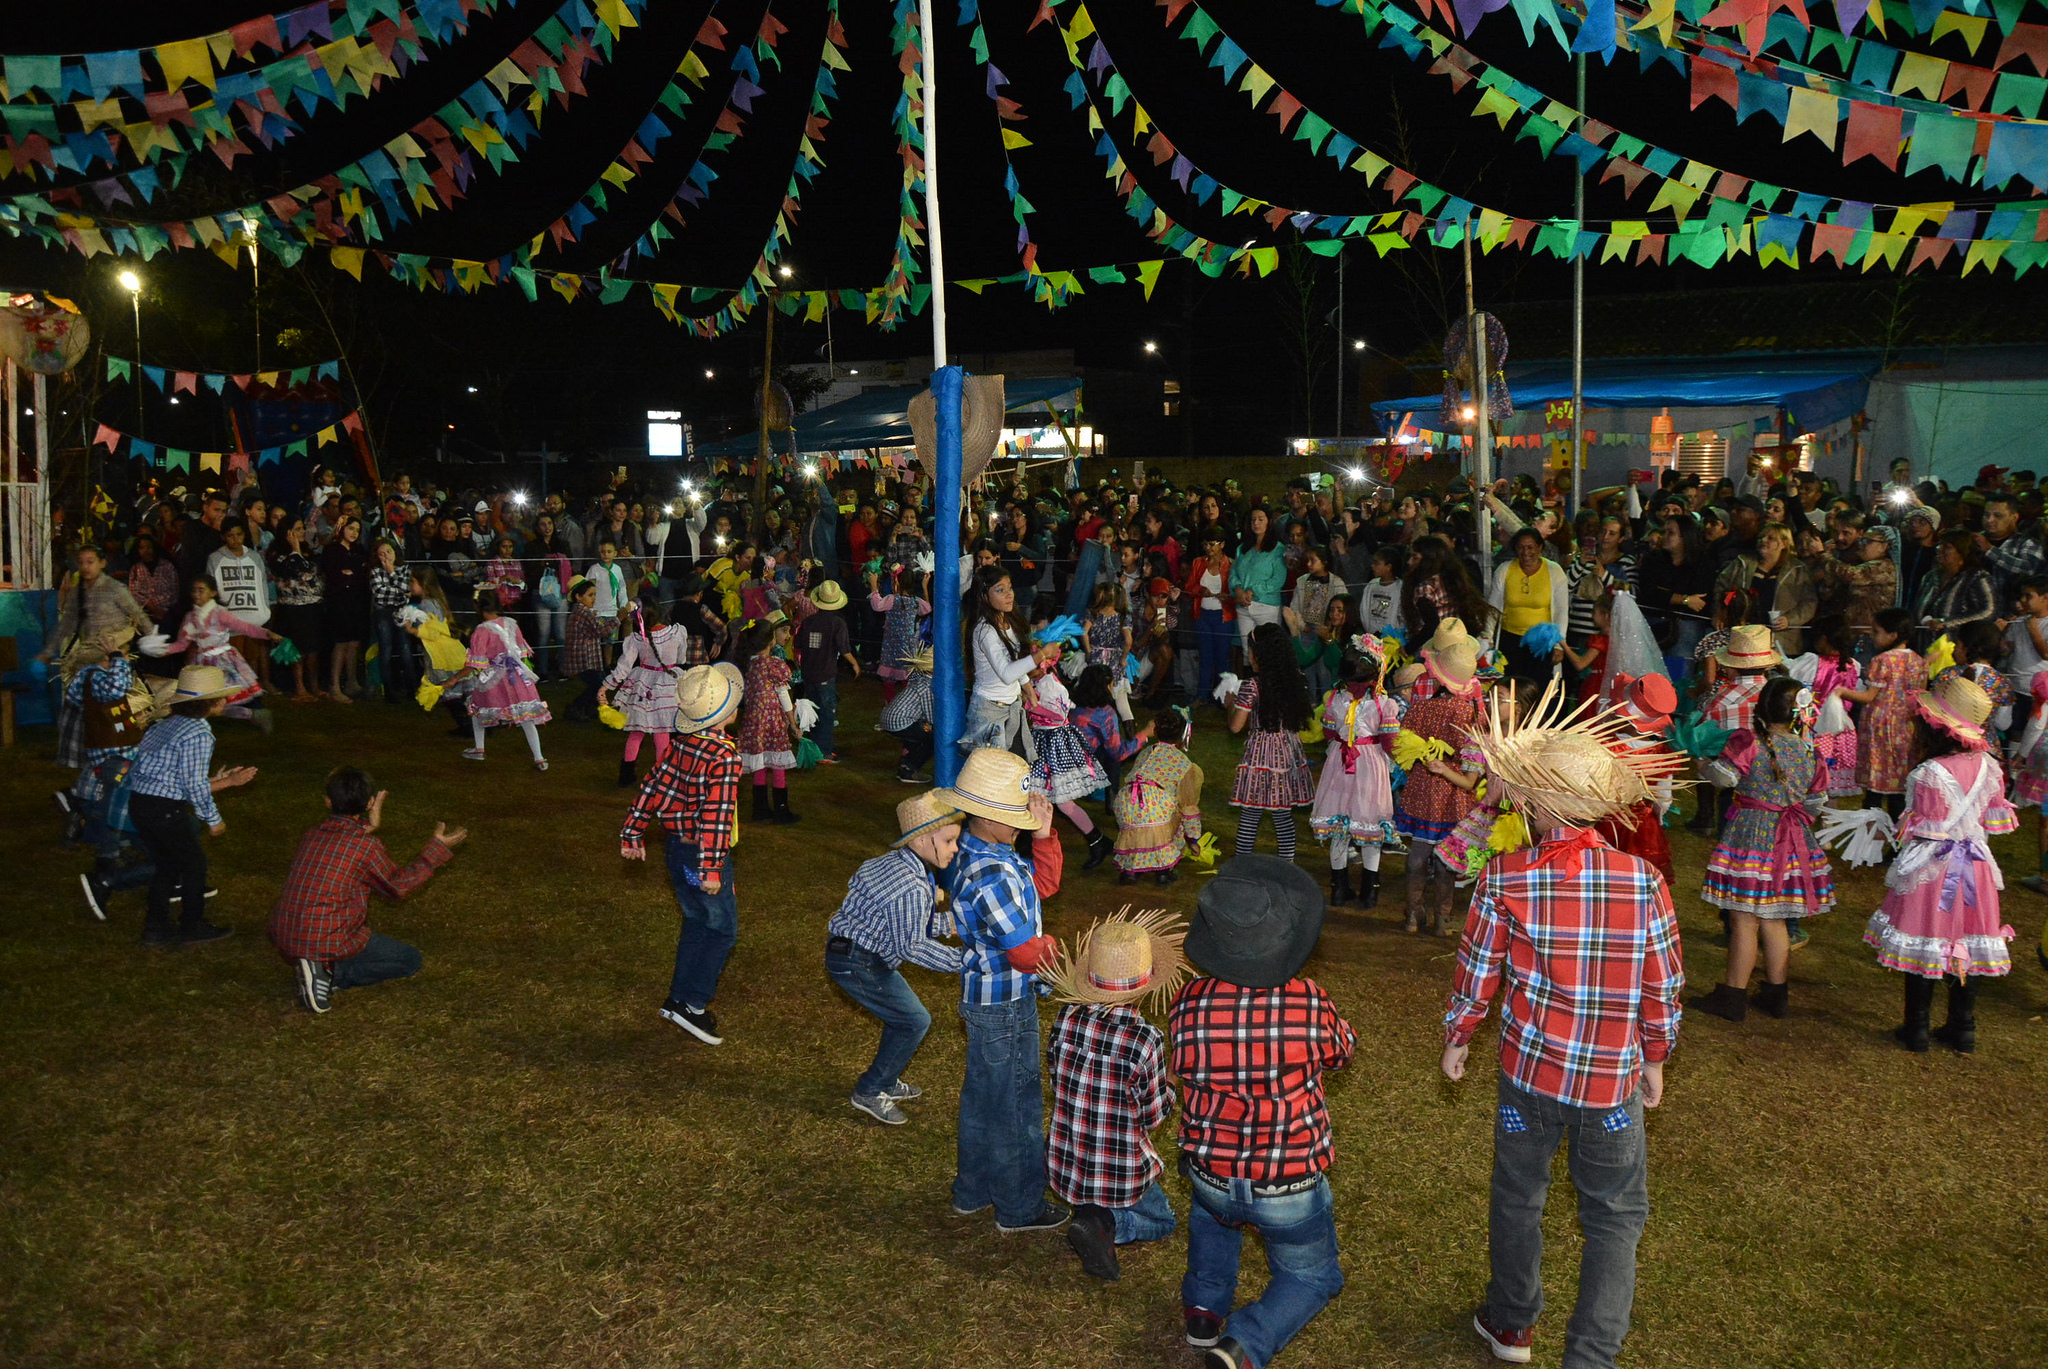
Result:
[
  {"x": 1585, "y": 940},
  {"x": 1108, "y": 1068}
]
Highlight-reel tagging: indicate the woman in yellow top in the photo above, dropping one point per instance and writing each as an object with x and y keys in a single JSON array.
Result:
[{"x": 1527, "y": 590}]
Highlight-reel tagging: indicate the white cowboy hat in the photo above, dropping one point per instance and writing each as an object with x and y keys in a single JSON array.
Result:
[{"x": 707, "y": 696}]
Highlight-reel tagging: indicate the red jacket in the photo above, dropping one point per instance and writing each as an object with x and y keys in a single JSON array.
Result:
[{"x": 1193, "y": 586}]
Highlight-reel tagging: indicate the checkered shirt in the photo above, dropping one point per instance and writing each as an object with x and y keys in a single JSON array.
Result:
[
  {"x": 1108, "y": 1070},
  {"x": 1251, "y": 1064},
  {"x": 108, "y": 684},
  {"x": 693, "y": 792},
  {"x": 323, "y": 912},
  {"x": 2013, "y": 560},
  {"x": 1589, "y": 945},
  {"x": 912, "y": 706},
  {"x": 1734, "y": 705},
  {"x": 586, "y": 642},
  {"x": 995, "y": 905},
  {"x": 174, "y": 762},
  {"x": 891, "y": 909}
]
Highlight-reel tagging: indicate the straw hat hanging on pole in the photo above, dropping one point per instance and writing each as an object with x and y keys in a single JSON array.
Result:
[{"x": 982, "y": 408}]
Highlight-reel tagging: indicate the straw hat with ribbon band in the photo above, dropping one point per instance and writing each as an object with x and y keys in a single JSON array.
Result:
[
  {"x": 1453, "y": 657},
  {"x": 1574, "y": 765},
  {"x": 1256, "y": 922},
  {"x": 828, "y": 595},
  {"x": 991, "y": 785},
  {"x": 1959, "y": 706},
  {"x": 707, "y": 696},
  {"x": 1646, "y": 702},
  {"x": 1749, "y": 648},
  {"x": 1126, "y": 958},
  {"x": 197, "y": 682},
  {"x": 924, "y": 812}
]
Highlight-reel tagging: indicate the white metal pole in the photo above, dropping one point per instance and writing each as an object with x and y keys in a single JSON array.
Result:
[
  {"x": 34, "y": 495},
  {"x": 1579, "y": 313},
  {"x": 927, "y": 40}
]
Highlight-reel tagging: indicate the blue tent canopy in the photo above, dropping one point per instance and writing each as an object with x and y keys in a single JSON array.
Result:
[
  {"x": 1815, "y": 393},
  {"x": 880, "y": 417}
]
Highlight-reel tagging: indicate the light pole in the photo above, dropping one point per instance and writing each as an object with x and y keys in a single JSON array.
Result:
[{"x": 132, "y": 283}]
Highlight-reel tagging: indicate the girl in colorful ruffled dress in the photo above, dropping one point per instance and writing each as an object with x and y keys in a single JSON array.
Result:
[
  {"x": 1109, "y": 641},
  {"x": 1440, "y": 791},
  {"x": 768, "y": 730},
  {"x": 1834, "y": 675},
  {"x": 1065, "y": 771},
  {"x": 204, "y": 638},
  {"x": 1767, "y": 871},
  {"x": 1273, "y": 778},
  {"x": 1940, "y": 917},
  {"x": 1095, "y": 719},
  {"x": 902, "y": 610},
  {"x": 1159, "y": 805},
  {"x": 1354, "y": 804},
  {"x": 503, "y": 690},
  {"x": 643, "y": 684},
  {"x": 1897, "y": 675}
]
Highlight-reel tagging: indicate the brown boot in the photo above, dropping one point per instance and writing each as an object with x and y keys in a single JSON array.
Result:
[
  {"x": 1418, "y": 891},
  {"x": 1725, "y": 1001},
  {"x": 1771, "y": 999},
  {"x": 1444, "y": 921}
]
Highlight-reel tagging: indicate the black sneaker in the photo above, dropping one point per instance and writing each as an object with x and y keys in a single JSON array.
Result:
[
  {"x": 160, "y": 934},
  {"x": 192, "y": 933},
  {"x": 700, "y": 1024},
  {"x": 180, "y": 898},
  {"x": 315, "y": 984},
  {"x": 1228, "y": 1354},
  {"x": 1204, "y": 1328},
  {"x": 1051, "y": 1217},
  {"x": 905, "y": 775},
  {"x": 1093, "y": 1238},
  {"x": 96, "y": 895}
]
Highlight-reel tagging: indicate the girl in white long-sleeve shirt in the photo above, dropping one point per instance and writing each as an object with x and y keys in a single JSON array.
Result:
[{"x": 1004, "y": 660}]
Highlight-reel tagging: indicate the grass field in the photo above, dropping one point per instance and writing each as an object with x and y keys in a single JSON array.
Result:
[{"x": 511, "y": 1161}]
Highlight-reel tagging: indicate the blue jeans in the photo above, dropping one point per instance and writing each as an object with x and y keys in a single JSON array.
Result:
[
  {"x": 711, "y": 924},
  {"x": 825, "y": 694},
  {"x": 386, "y": 957},
  {"x": 1000, "y": 1156},
  {"x": 394, "y": 660},
  {"x": 876, "y": 985},
  {"x": 1608, "y": 1163},
  {"x": 1213, "y": 642},
  {"x": 1149, "y": 1219},
  {"x": 1300, "y": 1232},
  {"x": 550, "y": 633}
]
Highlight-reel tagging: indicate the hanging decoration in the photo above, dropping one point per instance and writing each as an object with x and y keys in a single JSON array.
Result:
[
  {"x": 168, "y": 380},
  {"x": 119, "y": 443},
  {"x": 1458, "y": 372},
  {"x": 900, "y": 285},
  {"x": 43, "y": 337}
]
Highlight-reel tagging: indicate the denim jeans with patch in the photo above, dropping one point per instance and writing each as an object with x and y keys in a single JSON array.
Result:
[
  {"x": 1608, "y": 1168},
  {"x": 1001, "y": 1149},
  {"x": 1300, "y": 1235},
  {"x": 1149, "y": 1219}
]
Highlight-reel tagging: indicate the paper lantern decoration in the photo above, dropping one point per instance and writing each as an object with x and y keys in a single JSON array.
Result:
[{"x": 42, "y": 338}]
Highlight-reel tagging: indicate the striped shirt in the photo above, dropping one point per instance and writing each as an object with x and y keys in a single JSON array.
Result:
[
  {"x": 995, "y": 904},
  {"x": 174, "y": 762},
  {"x": 891, "y": 909}
]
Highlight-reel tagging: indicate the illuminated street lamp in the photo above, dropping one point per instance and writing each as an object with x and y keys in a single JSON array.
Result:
[{"x": 132, "y": 283}]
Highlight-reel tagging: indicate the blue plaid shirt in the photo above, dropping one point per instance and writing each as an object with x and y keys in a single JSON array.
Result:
[
  {"x": 175, "y": 761},
  {"x": 105, "y": 684},
  {"x": 995, "y": 905},
  {"x": 890, "y": 910}
]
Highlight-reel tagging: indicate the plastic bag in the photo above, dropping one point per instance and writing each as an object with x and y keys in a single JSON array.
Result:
[{"x": 1632, "y": 648}]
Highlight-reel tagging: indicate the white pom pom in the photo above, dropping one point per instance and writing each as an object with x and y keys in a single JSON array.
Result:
[
  {"x": 1859, "y": 834},
  {"x": 155, "y": 644},
  {"x": 806, "y": 715},
  {"x": 925, "y": 562},
  {"x": 1226, "y": 688}
]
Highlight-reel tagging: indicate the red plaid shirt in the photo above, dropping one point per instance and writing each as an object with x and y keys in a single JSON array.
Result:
[
  {"x": 323, "y": 912},
  {"x": 1251, "y": 1063},
  {"x": 692, "y": 792},
  {"x": 1734, "y": 704},
  {"x": 1587, "y": 939},
  {"x": 1108, "y": 1068},
  {"x": 585, "y": 650}
]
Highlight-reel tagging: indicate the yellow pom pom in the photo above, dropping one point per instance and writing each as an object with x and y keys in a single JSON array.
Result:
[
  {"x": 1205, "y": 851},
  {"x": 612, "y": 717},
  {"x": 427, "y": 695},
  {"x": 1940, "y": 656},
  {"x": 1411, "y": 749},
  {"x": 1480, "y": 792},
  {"x": 1510, "y": 833}
]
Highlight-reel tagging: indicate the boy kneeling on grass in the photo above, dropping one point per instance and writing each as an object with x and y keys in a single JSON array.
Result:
[{"x": 322, "y": 919}]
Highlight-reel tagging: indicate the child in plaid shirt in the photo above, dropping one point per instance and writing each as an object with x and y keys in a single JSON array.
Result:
[{"x": 584, "y": 656}]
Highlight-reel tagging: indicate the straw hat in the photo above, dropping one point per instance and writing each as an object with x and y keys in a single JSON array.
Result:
[
  {"x": 89, "y": 648},
  {"x": 991, "y": 785},
  {"x": 1452, "y": 656},
  {"x": 1571, "y": 765},
  {"x": 707, "y": 696},
  {"x": 1958, "y": 706},
  {"x": 920, "y": 659},
  {"x": 148, "y": 701},
  {"x": 196, "y": 682},
  {"x": 1123, "y": 959},
  {"x": 828, "y": 595},
  {"x": 981, "y": 426},
  {"x": 922, "y": 812},
  {"x": 1749, "y": 648}
]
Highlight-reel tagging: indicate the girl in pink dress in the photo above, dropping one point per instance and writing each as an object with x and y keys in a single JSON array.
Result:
[
  {"x": 1354, "y": 807},
  {"x": 1834, "y": 736},
  {"x": 503, "y": 690},
  {"x": 205, "y": 636},
  {"x": 1940, "y": 916},
  {"x": 1897, "y": 675},
  {"x": 768, "y": 729}
]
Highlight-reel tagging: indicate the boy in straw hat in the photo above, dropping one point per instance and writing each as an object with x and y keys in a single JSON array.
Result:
[
  {"x": 693, "y": 795},
  {"x": 1251, "y": 1042},
  {"x": 169, "y": 786},
  {"x": 1001, "y": 1148},
  {"x": 890, "y": 916},
  {"x": 1108, "y": 1067},
  {"x": 1590, "y": 1012}
]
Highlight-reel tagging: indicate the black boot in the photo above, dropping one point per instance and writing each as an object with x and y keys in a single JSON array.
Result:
[
  {"x": 1771, "y": 998},
  {"x": 1725, "y": 1001},
  {"x": 628, "y": 777},
  {"x": 761, "y": 810},
  {"x": 1959, "y": 1033},
  {"x": 782, "y": 816},
  {"x": 1912, "y": 1034},
  {"x": 1340, "y": 887},
  {"x": 1368, "y": 888},
  {"x": 1099, "y": 849}
]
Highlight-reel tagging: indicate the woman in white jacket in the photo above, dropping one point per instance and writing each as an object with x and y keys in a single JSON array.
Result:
[{"x": 1528, "y": 589}]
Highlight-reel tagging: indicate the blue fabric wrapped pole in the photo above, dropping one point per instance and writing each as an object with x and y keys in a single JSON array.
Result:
[{"x": 949, "y": 685}]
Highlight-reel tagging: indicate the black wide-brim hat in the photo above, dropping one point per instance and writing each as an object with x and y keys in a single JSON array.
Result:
[{"x": 1256, "y": 922}]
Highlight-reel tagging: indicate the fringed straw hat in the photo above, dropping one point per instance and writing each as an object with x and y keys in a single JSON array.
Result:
[
  {"x": 1571, "y": 765},
  {"x": 1959, "y": 706},
  {"x": 1123, "y": 959},
  {"x": 1452, "y": 656}
]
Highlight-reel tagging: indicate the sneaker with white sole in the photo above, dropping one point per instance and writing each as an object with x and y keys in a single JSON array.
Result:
[
  {"x": 880, "y": 1108},
  {"x": 1203, "y": 1327},
  {"x": 1227, "y": 1354},
  {"x": 1512, "y": 1346},
  {"x": 959, "y": 1211},
  {"x": 698, "y": 1022},
  {"x": 901, "y": 1092},
  {"x": 96, "y": 895},
  {"x": 315, "y": 985},
  {"x": 1051, "y": 1217}
]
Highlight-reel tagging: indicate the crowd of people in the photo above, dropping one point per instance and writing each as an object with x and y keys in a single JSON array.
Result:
[{"x": 1821, "y": 671}]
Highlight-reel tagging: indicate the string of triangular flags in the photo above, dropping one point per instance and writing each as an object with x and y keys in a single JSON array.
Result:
[
  {"x": 119, "y": 443},
  {"x": 169, "y": 380},
  {"x": 907, "y": 40},
  {"x": 1007, "y": 111}
]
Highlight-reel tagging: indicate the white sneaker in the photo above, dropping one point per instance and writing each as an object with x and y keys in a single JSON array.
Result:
[{"x": 881, "y": 1109}]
